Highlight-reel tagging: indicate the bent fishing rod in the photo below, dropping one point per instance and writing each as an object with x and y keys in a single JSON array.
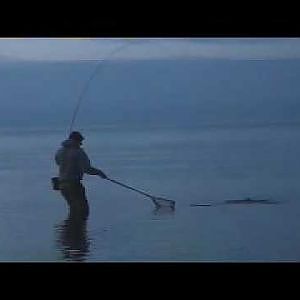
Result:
[{"x": 93, "y": 74}]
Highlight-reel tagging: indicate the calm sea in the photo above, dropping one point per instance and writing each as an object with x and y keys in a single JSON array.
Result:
[{"x": 203, "y": 164}]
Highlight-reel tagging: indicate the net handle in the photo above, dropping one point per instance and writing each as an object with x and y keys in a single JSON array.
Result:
[{"x": 131, "y": 188}]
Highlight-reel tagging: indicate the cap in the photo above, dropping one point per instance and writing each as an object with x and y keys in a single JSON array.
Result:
[{"x": 76, "y": 135}]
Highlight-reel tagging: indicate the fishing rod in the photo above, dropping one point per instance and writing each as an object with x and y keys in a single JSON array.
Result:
[{"x": 87, "y": 84}]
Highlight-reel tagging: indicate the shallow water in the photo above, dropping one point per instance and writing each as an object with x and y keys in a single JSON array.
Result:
[{"x": 188, "y": 165}]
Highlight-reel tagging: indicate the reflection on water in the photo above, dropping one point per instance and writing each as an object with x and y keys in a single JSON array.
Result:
[{"x": 72, "y": 239}]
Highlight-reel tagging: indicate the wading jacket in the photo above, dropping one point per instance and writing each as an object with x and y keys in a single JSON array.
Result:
[{"x": 73, "y": 162}]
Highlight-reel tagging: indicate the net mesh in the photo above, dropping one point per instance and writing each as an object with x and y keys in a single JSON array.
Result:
[{"x": 162, "y": 202}]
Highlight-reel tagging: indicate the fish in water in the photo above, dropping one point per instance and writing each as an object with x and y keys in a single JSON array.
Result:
[
  {"x": 238, "y": 201},
  {"x": 250, "y": 201}
]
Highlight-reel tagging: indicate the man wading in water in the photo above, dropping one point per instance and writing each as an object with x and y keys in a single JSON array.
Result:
[{"x": 73, "y": 162}]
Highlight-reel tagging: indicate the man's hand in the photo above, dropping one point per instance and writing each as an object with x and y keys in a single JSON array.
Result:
[{"x": 102, "y": 175}]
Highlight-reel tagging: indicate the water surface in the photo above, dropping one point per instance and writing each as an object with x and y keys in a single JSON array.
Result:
[{"x": 207, "y": 164}]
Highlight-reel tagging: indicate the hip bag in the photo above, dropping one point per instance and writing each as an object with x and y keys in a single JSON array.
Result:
[{"x": 55, "y": 183}]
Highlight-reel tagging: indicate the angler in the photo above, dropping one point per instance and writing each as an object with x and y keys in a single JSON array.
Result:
[{"x": 73, "y": 162}]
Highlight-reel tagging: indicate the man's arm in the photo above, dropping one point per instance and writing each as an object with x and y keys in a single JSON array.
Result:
[{"x": 87, "y": 168}]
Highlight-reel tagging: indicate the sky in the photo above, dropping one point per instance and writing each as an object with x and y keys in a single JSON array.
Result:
[
  {"x": 150, "y": 80},
  {"x": 48, "y": 49}
]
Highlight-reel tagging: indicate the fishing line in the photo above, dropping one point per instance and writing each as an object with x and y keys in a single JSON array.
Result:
[{"x": 86, "y": 86}]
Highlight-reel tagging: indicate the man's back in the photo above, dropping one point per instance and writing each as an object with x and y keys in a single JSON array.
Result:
[
  {"x": 73, "y": 162},
  {"x": 67, "y": 157}
]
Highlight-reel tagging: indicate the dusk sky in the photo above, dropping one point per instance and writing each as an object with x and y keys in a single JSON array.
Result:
[
  {"x": 138, "y": 48},
  {"x": 184, "y": 80}
]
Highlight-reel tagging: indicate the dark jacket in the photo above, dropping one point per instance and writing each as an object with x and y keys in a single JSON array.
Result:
[{"x": 73, "y": 162}]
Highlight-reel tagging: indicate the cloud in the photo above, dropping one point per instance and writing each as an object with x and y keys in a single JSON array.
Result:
[{"x": 97, "y": 49}]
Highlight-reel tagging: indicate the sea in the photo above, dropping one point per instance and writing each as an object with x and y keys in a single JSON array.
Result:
[{"x": 194, "y": 165}]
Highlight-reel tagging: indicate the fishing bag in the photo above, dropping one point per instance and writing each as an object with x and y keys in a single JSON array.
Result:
[{"x": 55, "y": 183}]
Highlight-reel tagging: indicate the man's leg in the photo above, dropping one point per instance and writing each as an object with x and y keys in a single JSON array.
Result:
[
  {"x": 66, "y": 193},
  {"x": 79, "y": 205},
  {"x": 75, "y": 196}
]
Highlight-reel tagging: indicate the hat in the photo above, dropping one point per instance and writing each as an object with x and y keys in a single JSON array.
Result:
[{"x": 76, "y": 135}]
